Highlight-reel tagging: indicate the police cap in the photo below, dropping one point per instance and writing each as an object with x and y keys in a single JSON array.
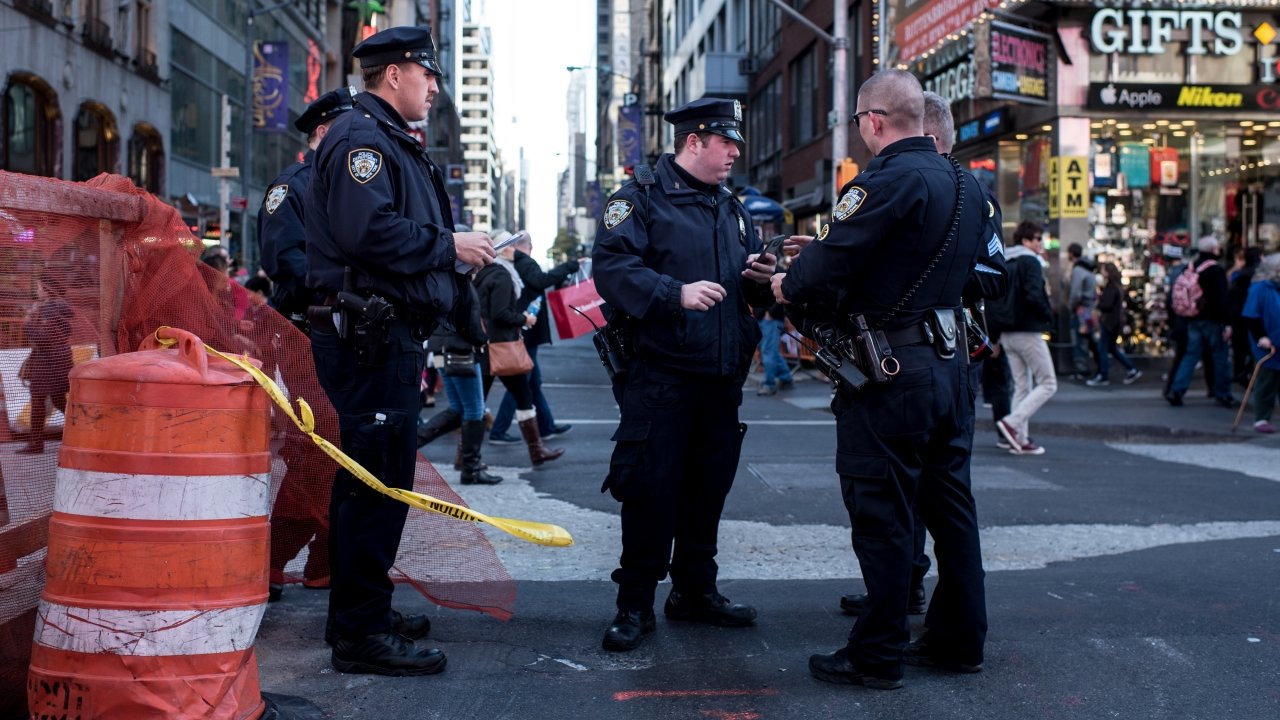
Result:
[
  {"x": 399, "y": 45},
  {"x": 713, "y": 115},
  {"x": 326, "y": 107}
]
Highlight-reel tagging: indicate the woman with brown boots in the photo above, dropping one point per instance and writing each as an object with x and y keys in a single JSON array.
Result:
[{"x": 499, "y": 287}]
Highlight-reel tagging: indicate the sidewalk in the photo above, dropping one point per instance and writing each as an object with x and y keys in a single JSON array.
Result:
[{"x": 1117, "y": 412}]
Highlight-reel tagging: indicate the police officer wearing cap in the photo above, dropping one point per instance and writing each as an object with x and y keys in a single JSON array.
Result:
[
  {"x": 381, "y": 248},
  {"x": 676, "y": 258},
  {"x": 902, "y": 242},
  {"x": 280, "y": 221}
]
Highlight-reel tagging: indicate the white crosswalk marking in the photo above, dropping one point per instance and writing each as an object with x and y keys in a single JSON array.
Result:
[{"x": 1257, "y": 461}]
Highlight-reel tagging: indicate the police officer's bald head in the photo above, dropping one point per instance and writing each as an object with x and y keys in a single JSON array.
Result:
[{"x": 899, "y": 95}]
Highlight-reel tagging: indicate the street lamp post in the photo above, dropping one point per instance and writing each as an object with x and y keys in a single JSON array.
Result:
[{"x": 246, "y": 249}]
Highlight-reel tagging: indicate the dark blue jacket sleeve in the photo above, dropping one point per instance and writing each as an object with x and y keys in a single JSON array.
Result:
[
  {"x": 369, "y": 225},
  {"x": 618, "y": 266}
]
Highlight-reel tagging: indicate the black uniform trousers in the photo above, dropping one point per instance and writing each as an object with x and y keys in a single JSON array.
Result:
[
  {"x": 677, "y": 451},
  {"x": 378, "y": 410},
  {"x": 901, "y": 445}
]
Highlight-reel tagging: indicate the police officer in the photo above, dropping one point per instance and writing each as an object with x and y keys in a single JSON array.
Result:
[
  {"x": 283, "y": 246},
  {"x": 674, "y": 254},
  {"x": 986, "y": 281},
  {"x": 284, "y": 258},
  {"x": 379, "y": 227},
  {"x": 901, "y": 244}
]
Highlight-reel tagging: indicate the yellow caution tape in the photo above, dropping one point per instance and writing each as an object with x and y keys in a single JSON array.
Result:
[{"x": 534, "y": 532}]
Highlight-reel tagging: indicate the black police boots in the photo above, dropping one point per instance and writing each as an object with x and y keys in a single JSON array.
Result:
[
  {"x": 924, "y": 653},
  {"x": 442, "y": 422},
  {"x": 473, "y": 472},
  {"x": 414, "y": 627},
  {"x": 916, "y": 604},
  {"x": 628, "y": 629},
  {"x": 836, "y": 667},
  {"x": 711, "y": 608},
  {"x": 538, "y": 453},
  {"x": 385, "y": 654}
]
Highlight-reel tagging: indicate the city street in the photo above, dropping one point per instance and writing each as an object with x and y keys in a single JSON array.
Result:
[{"x": 1132, "y": 572}]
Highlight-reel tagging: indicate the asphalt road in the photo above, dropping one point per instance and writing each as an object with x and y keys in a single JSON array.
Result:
[{"x": 1132, "y": 572}]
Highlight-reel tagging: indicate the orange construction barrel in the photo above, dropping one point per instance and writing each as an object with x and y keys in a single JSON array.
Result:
[{"x": 158, "y": 541}]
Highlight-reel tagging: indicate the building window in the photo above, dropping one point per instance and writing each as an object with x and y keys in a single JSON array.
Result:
[
  {"x": 32, "y": 126},
  {"x": 804, "y": 96},
  {"x": 97, "y": 142},
  {"x": 146, "y": 159}
]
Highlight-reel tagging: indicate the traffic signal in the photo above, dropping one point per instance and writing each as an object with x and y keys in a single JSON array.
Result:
[{"x": 847, "y": 171}]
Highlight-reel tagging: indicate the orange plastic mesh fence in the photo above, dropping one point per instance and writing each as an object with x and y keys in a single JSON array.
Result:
[{"x": 89, "y": 270}]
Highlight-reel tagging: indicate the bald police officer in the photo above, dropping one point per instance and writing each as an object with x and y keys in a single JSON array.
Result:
[
  {"x": 674, "y": 254},
  {"x": 280, "y": 221},
  {"x": 901, "y": 245},
  {"x": 381, "y": 248}
]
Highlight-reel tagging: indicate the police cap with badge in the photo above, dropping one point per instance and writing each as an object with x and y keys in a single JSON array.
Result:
[
  {"x": 326, "y": 107},
  {"x": 399, "y": 45},
  {"x": 713, "y": 115}
]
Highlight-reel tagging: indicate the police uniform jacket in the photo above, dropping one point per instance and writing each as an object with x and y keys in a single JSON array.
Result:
[
  {"x": 378, "y": 205},
  {"x": 280, "y": 232},
  {"x": 886, "y": 228},
  {"x": 649, "y": 245}
]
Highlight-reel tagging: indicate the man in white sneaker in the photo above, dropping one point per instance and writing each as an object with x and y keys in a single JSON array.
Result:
[{"x": 1029, "y": 360}]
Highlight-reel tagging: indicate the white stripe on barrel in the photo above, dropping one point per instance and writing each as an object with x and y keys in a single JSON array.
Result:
[
  {"x": 148, "y": 632},
  {"x": 161, "y": 497}
]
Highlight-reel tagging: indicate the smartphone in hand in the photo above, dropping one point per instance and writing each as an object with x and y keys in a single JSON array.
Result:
[
  {"x": 773, "y": 246},
  {"x": 515, "y": 238}
]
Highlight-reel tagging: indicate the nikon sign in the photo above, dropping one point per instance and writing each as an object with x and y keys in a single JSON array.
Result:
[{"x": 1204, "y": 97}]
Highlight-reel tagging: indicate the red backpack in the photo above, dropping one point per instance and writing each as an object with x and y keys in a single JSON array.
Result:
[{"x": 1187, "y": 295}]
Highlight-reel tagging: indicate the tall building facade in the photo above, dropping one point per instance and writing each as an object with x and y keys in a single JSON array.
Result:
[
  {"x": 85, "y": 90},
  {"x": 483, "y": 173}
]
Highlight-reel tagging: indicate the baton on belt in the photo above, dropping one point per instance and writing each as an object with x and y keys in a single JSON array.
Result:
[{"x": 1257, "y": 368}]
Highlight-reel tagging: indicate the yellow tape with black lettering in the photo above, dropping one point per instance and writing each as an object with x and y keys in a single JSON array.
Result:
[{"x": 534, "y": 532}]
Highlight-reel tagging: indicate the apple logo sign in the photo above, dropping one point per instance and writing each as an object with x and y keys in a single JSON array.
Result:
[{"x": 1108, "y": 95}]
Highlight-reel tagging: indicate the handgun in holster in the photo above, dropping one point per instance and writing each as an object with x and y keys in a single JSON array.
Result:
[
  {"x": 365, "y": 323},
  {"x": 834, "y": 358},
  {"x": 873, "y": 350}
]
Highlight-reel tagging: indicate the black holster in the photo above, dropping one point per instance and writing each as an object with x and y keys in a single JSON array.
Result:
[{"x": 365, "y": 323}]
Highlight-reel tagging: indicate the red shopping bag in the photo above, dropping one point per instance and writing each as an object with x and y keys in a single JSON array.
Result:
[{"x": 582, "y": 296}]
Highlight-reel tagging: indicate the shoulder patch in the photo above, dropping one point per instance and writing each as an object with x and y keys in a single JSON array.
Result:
[
  {"x": 994, "y": 246},
  {"x": 849, "y": 203},
  {"x": 275, "y": 196},
  {"x": 617, "y": 211},
  {"x": 822, "y": 234},
  {"x": 364, "y": 164},
  {"x": 991, "y": 209}
]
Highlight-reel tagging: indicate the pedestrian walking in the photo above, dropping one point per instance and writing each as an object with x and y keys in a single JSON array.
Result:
[
  {"x": 777, "y": 375},
  {"x": 687, "y": 303},
  {"x": 1034, "y": 381},
  {"x": 1082, "y": 297},
  {"x": 1111, "y": 311},
  {"x": 382, "y": 251},
  {"x": 1262, "y": 314},
  {"x": 1200, "y": 296},
  {"x": 891, "y": 267}
]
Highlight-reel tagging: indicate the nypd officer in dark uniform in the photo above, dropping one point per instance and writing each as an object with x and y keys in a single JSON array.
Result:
[
  {"x": 902, "y": 243},
  {"x": 283, "y": 246},
  {"x": 382, "y": 250},
  {"x": 284, "y": 258},
  {"x": 675, "y": 254}
]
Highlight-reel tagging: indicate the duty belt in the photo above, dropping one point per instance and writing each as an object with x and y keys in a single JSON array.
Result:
[{"x": 910, "y": 335}]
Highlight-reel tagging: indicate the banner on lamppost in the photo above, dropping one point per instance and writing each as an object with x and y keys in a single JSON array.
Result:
[
  {"x": 271, "y": 86},
  {"x": 630, "y": 135}
]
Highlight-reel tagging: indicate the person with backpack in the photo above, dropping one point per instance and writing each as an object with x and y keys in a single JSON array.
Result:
[
  {"x": 1200, "y": 297},
  {"x": 1027, "y": 303}
]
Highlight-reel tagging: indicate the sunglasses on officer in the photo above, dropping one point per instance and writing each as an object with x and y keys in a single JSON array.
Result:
[{"x": 857, "y": 117}]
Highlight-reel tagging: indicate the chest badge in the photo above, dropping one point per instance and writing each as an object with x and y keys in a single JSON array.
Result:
[
  {"x": 275, "y": 196},
  {"x": 616, "y": 212},
  {"x": 991, "y": 209},
  {"x": 742, "y": 229},
  {"x": 822, "y": 234},
  {"x": 364, "y": 164},
  {"x": 849, "y": 203}
]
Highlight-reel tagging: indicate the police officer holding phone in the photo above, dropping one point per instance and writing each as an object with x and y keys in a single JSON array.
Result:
[
  {"x": 889, "y": 271},
  {"x": 675, "y": 254},
  {"x": 382, "y": 250}
]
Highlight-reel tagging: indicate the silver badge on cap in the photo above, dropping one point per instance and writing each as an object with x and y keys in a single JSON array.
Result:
[
  {"x": 737, "y": 111},
  {"x": 275, "y": 196},
  {"x": 364, "y": 164}
]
